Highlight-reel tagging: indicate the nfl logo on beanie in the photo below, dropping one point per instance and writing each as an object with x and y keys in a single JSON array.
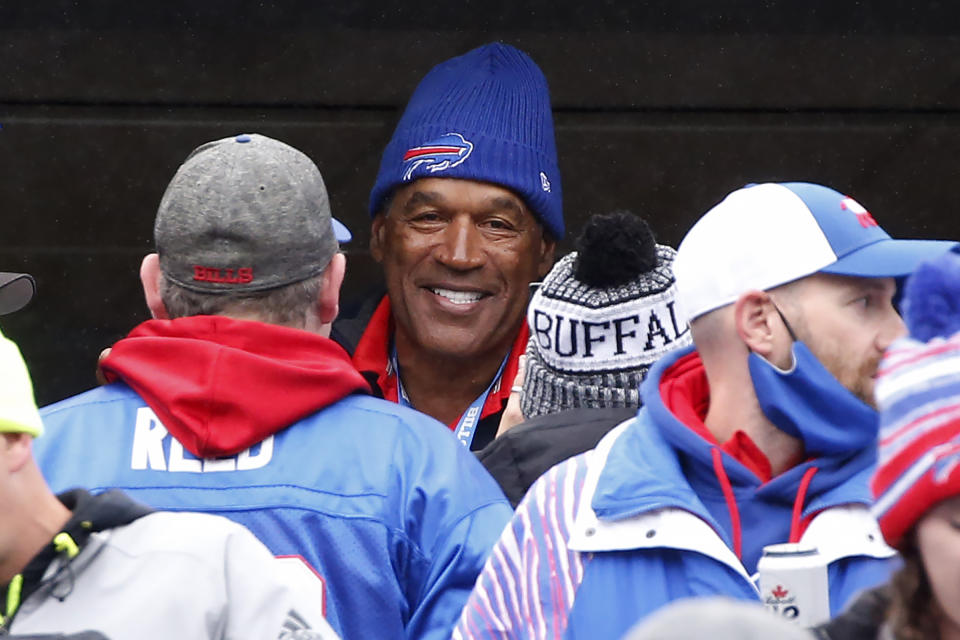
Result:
[{"x": 481, "y": 116}]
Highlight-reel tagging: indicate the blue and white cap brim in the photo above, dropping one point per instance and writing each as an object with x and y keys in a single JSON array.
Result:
[{"x": 888, "y": 258}]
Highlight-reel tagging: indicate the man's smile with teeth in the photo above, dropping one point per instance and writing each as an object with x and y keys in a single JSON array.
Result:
[{"x": 457, "y": 297}]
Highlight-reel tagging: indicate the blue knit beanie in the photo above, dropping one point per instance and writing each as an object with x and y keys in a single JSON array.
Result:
[{"x": 481, "y": 116}]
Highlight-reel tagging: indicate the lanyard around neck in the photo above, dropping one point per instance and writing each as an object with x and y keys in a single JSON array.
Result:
[{"x": 467, "y": 425}]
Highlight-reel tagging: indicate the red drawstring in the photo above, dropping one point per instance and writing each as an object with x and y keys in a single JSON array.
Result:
[
  {"x": 729, "y": 497},
  {"x": 796, "y": 526},
  {"x": 796, "y": 523}
]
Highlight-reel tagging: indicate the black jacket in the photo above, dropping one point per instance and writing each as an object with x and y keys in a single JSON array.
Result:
[{"x": 524, "y": 453}]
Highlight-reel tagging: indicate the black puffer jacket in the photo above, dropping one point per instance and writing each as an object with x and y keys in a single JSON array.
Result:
[{"x": 524, "y": 453}]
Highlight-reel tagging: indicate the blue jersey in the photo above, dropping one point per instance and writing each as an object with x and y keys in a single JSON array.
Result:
[{"x": 377, "y": 504}]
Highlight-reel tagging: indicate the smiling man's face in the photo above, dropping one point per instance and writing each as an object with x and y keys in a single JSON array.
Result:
[{"x": 458, "y": 257}]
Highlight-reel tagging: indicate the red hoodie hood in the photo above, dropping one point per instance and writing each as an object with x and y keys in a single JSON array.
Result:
[
  {"x": 686, "y": 394},
  {"x": 221, "y": 385}
]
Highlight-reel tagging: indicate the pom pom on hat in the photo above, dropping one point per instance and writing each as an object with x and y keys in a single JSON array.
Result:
[
  {"x": 613, "y": 249},
  {"x": 932, "y": 298}
]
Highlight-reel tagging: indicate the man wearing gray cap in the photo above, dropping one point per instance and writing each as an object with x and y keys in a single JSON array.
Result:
[
  {"x": 62, "y": 557},
  {"x": 233, "y": 400}
]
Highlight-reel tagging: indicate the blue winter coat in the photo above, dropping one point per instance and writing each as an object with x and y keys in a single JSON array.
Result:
[{"x": 609, "y": 536}]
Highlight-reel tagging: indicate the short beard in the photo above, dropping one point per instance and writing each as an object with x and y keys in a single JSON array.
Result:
[
  {"x": 866, "y": 382},
  {"x": 862, "y": 385}
]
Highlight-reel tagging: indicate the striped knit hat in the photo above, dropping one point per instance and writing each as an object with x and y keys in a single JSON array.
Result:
[
  {"x": 918, "y": 394},
  {"x": 600, "y": 318}
]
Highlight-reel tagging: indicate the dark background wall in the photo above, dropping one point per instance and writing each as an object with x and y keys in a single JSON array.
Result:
[{"x": 662, "y": 107}]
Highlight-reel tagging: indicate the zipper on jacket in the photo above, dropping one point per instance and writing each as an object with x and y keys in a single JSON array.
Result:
[{"x": 63, "y": 544}]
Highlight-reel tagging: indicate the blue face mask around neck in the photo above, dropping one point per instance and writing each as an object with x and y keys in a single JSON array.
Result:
[{"x": 809, "y": 403}]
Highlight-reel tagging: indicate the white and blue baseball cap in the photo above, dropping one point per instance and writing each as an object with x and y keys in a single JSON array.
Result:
[{"x": 766, "y": 235}]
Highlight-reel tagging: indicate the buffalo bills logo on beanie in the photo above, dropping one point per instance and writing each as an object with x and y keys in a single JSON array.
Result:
[
  {"x": 437, "y": 155},
  {"x": 481, "y": 116}
]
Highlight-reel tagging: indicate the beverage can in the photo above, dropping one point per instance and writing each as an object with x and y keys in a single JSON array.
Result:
[{"x": 794, "y": 583}]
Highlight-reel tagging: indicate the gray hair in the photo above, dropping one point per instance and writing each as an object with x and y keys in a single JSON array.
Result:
[
  {"x": 286, "y": 306},
  {"x": 716, "y": 617}
]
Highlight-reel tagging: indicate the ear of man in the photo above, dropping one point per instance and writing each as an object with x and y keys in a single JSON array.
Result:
[
  {"x": 17, "y": 450},
  {"x": 328, "y": 299},
  {"x": 756, "y": 321},
  {"x": 377, "y": 236},
  {"x": 548, "y": 247},
  {"x": 150, "y": 275}
]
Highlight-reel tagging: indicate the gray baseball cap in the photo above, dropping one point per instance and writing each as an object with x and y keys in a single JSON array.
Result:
[
  {"x": 246, "y": 213},
  {"x": 16, "y": 290}
]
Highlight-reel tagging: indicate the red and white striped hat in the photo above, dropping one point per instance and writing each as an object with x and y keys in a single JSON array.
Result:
[{"x": 918, "y": 394}]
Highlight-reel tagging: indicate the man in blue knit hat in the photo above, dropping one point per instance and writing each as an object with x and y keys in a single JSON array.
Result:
[{"x": 466, "y": 209}]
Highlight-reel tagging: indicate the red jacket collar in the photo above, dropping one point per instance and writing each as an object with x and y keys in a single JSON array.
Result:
[{"x": 372, "y": 355}]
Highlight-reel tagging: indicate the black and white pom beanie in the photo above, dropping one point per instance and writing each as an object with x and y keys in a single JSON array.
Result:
[{"x": 601, "y": 317}]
